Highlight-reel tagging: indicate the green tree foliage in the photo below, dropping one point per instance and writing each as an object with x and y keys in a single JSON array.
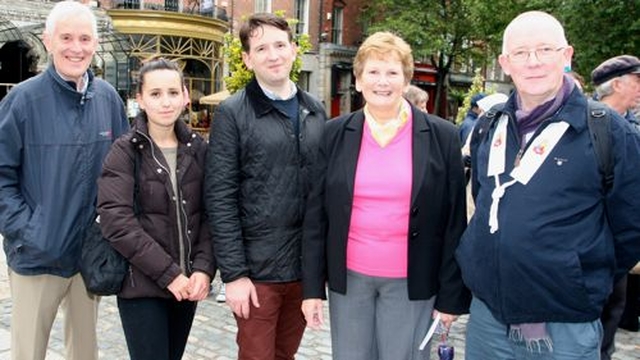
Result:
[
  {"x": 239, "y": 75},
  {"x": 477, "y": 87},
  {"x": 442, "y": 31},
  {"x": 597, "y": 29},
  {"x": 600, "y": 29}
]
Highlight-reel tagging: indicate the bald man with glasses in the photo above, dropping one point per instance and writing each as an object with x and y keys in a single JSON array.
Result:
[{"x": 548, "y": 236}]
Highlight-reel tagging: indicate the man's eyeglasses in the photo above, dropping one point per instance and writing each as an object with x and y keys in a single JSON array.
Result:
[{"x": 542, "y": 54}]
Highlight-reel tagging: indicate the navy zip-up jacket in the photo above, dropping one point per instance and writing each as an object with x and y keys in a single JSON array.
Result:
[
  {"x": 53, "y": 140},
  {"x": 562, "y": 237}
]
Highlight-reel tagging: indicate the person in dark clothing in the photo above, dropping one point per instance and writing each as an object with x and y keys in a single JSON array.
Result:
[
  {"x": 263, "y": 148},
  {"x": 470, "y": 119},
  {"x": 384, "y": 217},
  {"x": 161, "y": 228},
  {"x": 548, "y": 236},
  {"x": 55, "y": 131},
  {"x": 617, "y": 82}
]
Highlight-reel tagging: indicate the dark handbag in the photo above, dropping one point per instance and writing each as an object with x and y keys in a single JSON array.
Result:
[{"x": 102, "y": 267}]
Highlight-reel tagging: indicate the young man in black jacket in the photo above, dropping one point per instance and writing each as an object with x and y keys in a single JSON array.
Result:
[{"x": 263, "y": 148}]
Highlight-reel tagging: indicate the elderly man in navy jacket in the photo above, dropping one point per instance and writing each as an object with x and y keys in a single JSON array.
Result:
[
  {"x": 548, "y": 236},
  {"x": 55, "y": 130}
]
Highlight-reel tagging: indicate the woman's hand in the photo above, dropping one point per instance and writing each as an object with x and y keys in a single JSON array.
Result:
[
  {"x": 312, "y": 310},
  {"x": 199, "y": 284},
  {"x": 447, "y": 319},
  {"x": 179, "y": 287}
]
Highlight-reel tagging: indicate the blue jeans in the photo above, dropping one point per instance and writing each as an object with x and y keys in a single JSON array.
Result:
[
  {"x": 487, "y": 338},
  {"x": 155, "y": 328}
]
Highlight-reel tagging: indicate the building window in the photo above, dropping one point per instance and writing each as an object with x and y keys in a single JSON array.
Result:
[
  {"x": 304, "y": 79},
  {"x": 131, "y": 4},
  {"x": 302, "y": 15},
  {"x": 172, "y": 5},
  {"x": 336, "y": 32},
  {"x": 262, "y": 6}
]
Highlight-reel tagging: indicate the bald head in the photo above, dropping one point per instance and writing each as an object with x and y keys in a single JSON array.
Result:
[
  {"x": 535, "y": 53},
  {"x": 534, "y": 22}
]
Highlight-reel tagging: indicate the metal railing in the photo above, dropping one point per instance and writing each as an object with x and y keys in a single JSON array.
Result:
[
  {"x": 195, "y": 7},
  {"x": 6, "y": 87}
]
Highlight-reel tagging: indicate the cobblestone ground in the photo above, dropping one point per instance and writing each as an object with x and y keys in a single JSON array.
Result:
[{"x": 213, "y": 333}]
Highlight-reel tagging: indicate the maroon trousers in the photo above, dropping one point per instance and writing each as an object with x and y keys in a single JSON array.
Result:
[{"x": 274, "y": 330}]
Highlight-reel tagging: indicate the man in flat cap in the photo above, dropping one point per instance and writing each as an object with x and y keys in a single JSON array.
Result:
[{"x": 617, "y": 82}]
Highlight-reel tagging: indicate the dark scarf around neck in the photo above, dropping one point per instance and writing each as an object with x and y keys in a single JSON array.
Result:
[{"x": 528, "y": 121}]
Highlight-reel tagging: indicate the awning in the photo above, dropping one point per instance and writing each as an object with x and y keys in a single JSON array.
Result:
[
  {"x": 8, "y": 32},
  {"x": 215, "y": 98}
]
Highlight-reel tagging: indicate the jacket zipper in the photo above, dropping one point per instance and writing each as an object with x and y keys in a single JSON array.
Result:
[
  {"x": 186, "y": 253},
  {"x": 133, "y": 283},
  {"x": 522, "y": 147},
  {"x": 183, "y": 261}
]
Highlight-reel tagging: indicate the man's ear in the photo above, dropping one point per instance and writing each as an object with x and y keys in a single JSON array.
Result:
[
  {"x": 504, "y": 64},
  {"x": 46, "y": 40},
  {"x": 246, "y": 60}
]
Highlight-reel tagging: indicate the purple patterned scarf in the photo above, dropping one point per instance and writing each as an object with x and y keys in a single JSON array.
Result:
[{"x": 528, "y": 121}]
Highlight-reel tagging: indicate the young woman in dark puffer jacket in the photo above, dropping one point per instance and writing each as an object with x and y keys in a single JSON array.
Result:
[{"x": 164, "y": 236}]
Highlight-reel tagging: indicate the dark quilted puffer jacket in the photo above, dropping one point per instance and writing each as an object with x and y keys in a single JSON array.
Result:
[
  {"x": 257, "y": 180},
  {"x": 150, "y": 240}
]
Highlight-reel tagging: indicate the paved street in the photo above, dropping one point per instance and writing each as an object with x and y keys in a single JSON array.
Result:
[{"x": 213, "y": 334}]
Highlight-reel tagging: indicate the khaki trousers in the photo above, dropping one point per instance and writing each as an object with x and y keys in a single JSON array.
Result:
[{"x": 35, "y": 302}]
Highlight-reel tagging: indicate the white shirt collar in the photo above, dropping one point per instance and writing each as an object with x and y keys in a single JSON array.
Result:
[
  {"x": 85, "y": 81},
  {"x": 273, "y": 96}
]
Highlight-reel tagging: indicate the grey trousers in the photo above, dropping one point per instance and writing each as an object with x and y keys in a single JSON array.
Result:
[{"x": 375, "y": 320}]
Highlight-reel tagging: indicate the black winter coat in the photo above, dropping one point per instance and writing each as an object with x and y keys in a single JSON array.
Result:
[
  {"x": 436, "y": 215},
  {"x": 257, "y": 179},
  {"x": 150, "y": 241}
]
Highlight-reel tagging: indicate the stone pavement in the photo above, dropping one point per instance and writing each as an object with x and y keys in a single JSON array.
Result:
[{"x": 213, "y": 333}]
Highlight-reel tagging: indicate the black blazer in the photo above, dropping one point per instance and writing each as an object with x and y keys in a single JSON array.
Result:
[{"x": 437, "y": 214}]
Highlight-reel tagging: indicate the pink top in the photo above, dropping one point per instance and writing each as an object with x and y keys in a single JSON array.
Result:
[{"x": 377, "y": 244}]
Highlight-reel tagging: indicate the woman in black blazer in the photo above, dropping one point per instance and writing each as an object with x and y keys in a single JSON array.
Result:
[{"x": 384, "y": 219}]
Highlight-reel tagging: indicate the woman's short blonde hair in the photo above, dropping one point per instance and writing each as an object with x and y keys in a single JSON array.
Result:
[{"x": 383, "y": 45}]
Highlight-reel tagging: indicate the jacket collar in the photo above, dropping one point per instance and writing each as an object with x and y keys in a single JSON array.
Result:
[
  {"x": 263, "y": 105},
  {"x": 356, "y": 121},
  {"x": 64, "y": 86},
  {"x": 573, "y": 111},
  {"x": 141, "y": 131},
  {"x": 354, "y": 127}
]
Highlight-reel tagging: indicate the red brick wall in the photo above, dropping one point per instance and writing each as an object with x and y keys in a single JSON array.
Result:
[
  {"x": 244, "y": 8},
  {"x": 351, "y": 29}
]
